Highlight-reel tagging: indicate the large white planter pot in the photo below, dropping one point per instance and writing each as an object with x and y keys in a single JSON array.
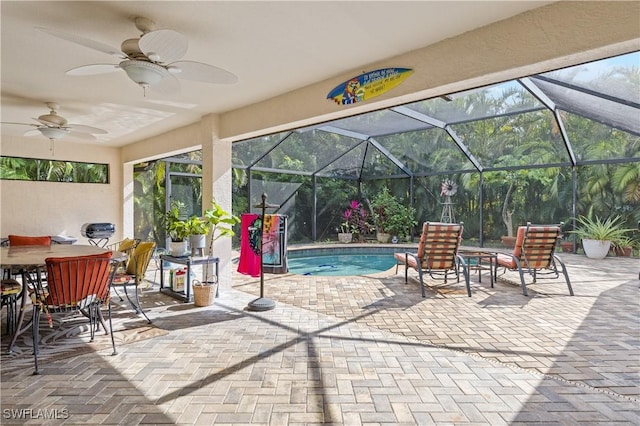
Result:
[
  {"x": 383, "y": 237},
  {"x": 596, "y": 249}
]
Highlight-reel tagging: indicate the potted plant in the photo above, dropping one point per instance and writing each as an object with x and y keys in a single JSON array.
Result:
[
  {"x": 197, "y": 228},
  {"x": 392, "y": 219},
  {"x": 623, "y": 246},
  {"x": 355, "y": 223},
  {"x": 176, "y": 227},
  {"x": 219, "y": 224},
  {"x": 597, "y": 234},
  {"x": 566, "y": 245},
  {"x": 381, "y": 208},
  {"x": 344, "y": 234}
]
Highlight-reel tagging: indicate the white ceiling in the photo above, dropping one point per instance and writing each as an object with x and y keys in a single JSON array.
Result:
[{"x": 273, "y": 48}]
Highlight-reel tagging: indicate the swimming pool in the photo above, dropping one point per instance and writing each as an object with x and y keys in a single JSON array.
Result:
[{"x": 341, "y": 261}]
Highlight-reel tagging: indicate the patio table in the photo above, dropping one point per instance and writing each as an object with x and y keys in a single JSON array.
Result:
[
  {"x": 32, "y": 259},
  {"x": 481, "y": 260}
]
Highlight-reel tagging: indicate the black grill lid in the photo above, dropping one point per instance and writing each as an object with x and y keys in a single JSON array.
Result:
[{"x": 98, "y": 230}]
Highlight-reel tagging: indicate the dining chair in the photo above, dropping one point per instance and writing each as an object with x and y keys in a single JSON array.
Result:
[
  {"x": 134, "y": 273},
  {"x": 25, "y": 240},
  {"x": 9, "y": 295},
  {"x": 159, "y": 251},
  {"x": 77, "y": 284},
  {"x": 12, "y": 299},
  {"x": 126, "y": 246}
]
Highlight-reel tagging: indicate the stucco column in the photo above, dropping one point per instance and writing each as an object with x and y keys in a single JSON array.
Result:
[
  {"x": 216, "y": 183},
  {"x": 127, "y": 202}
]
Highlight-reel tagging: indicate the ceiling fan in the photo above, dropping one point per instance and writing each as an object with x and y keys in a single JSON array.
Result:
[
  {"x": 151, "y": 61},
  {"x": 54, "y": 126}
]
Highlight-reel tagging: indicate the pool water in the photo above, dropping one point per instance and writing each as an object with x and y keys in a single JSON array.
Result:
[{"x": 341, "y": 265}]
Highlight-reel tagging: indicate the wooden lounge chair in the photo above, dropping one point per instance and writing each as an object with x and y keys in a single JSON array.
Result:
[
  {"x": 534, "y": 253},
  {"x": 437, "y": 254}
]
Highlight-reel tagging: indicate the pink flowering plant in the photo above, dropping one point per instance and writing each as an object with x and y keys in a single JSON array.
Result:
[{"x": 355, "y": 219}]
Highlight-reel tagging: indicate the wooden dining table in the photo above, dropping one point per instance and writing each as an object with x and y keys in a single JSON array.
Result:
[{"x": 29, "y": 259}]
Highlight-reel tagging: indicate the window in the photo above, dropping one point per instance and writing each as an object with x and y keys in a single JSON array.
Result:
[{"x": 34, "y": 169}]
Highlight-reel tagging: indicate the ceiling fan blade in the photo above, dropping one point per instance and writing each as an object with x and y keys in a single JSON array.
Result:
[
  {"x": 163, "y": 46},
  {"x": 198, "y": 71},
  {"x": 91, "y": 44},
  {"x": 82, "y": 135},
  {"x": 81, "y": 128},
  {"x": 20, "y": 124},
  {"x": 94, "y": 69}
]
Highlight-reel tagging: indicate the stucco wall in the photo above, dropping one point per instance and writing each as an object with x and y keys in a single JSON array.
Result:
[
  {"x": 183, "y": 139},
  {"x": 51, "y": 208},
  {"x": 554, "y": 36}
]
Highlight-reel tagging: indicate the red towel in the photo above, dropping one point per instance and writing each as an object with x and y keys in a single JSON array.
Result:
[{"x": 249, "y": 263}]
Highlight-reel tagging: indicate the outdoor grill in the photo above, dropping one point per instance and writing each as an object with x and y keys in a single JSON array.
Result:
[{"x": 98, "y": 230}]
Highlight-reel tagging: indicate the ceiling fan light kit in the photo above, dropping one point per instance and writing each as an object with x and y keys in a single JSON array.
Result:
[
  {"x": 144, "y": 73},
  {"x": 53, "y": 133}
]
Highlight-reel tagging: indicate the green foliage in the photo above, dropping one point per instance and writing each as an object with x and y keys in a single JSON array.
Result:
[
  {"x": 33, "y": 169},
  {"x": 624, "y": 241},
  {"x": 609, "y": 229},
  {"x": 219, "y": 221},
  {"x": 175, "y": 222},
  {"x": 215, "y": 220},
  {"x": 332, "y": 195},
  {"x": 627, "y": 181},
  {"x": 391, "y": 217},
  {"x": 196, "y": 225}
]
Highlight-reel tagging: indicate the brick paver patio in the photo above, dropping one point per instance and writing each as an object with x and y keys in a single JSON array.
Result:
[{"x": 363, "y": 350}]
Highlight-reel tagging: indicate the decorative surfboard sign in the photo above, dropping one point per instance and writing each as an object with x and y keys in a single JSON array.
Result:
[{"x": 368, "y": 85}]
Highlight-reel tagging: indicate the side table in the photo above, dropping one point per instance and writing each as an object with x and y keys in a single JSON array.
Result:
[
  {"x": 478, "y": 260},
  {"x": 188, "y": 261}
]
